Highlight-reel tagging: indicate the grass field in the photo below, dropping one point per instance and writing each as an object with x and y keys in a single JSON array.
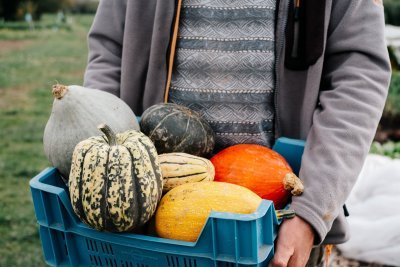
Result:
[{"x": 30, "y": 62}]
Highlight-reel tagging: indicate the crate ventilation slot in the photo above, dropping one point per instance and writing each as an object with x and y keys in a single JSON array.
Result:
[
  {"x": 91, "y": 245},
  {"x": 96, "y": 260},
  {"x": 174, "y": 261},
  {"x": 106, "y": 248},
  {"x": 99, "y": 247},
  {"x": 132, "y": 264},
  {"x": 65, "y": 243}
]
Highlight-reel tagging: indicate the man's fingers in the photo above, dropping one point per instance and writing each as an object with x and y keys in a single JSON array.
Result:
[
  {"x": 297, "y": 261},
  {"x": 282, "y": 256},
  {"x": 294, "y": 243}
]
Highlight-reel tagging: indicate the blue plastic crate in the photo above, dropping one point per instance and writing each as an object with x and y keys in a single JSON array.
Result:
[{"x": 226, "y": 240}]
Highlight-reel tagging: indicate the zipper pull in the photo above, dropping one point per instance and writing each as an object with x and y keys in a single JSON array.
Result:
[
  {"x": 296, "y": 29},
  {"x": 297, "y": 10}
]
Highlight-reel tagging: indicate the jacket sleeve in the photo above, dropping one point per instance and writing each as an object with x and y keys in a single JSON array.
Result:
[
  {"x": 105, "y": 40},
  {"x": 354, "y": 87}
]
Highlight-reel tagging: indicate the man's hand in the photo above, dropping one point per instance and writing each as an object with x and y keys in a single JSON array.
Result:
[{"x": 294, "y": 244}]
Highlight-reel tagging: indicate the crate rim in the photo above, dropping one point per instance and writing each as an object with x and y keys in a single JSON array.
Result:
[{"x": 83, "y": 229}]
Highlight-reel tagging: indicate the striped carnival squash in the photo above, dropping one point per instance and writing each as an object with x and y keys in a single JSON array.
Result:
[
  {"x": 115, "y": 182},
  {"x": 181, "y": 168}
]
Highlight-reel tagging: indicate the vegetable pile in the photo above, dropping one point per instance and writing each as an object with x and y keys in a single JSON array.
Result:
[{"x": 116, "y": 180}]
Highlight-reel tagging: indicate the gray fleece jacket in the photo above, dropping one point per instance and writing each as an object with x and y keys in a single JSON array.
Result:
[{"x": 335, "y": 105}]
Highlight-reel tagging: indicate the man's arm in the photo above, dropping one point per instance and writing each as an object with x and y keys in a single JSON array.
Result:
[
  {"x": 353, "y": 93},
  {"x": 105, "y": 47}
]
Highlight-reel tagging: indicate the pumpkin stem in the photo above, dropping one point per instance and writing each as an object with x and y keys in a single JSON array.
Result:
[
  {"x": 59, "y": 90},
  {"x": 293, "y": 184},
  {"x": 109, "y": 133}
]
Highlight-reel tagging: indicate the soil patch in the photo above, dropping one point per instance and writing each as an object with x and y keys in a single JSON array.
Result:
[
  {"x": 14, "y": 98},
  {"x": 338, "y": 260},
  {"x": 13, "y": 45}
]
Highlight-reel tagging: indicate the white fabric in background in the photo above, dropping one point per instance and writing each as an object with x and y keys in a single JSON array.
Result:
[{"x": 374, "y": 206}]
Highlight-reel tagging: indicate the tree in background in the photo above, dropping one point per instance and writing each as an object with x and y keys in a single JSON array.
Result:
[
  {"x": 16, "y": 9},
  {"x": 8, "y": 9},
  {"x": 392, "y": 12},
  {"x": 52, "y": 6}
]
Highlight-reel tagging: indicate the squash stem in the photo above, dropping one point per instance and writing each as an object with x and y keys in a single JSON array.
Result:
[
  {"x": 109, "y": 133},
  {"x": 293, "y": 184},
  {"x": 59, "y": 91}
]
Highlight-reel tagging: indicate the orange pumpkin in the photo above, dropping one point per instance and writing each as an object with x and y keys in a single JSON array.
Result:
[{"x": 259, "y": 169}]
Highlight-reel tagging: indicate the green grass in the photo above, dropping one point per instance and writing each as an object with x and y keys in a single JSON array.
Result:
[
  {"x": 388, "y": 149},
  {"x": 30, "y": 62}
]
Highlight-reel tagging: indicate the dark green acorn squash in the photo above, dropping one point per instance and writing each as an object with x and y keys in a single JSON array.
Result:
[{"x": 174, "y": 128}]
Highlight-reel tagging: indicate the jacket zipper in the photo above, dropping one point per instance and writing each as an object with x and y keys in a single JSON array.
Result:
[{"x": 278, "y": 55}]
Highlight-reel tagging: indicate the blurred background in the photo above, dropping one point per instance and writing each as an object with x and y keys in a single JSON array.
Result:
[{"x": 43, "y": 42}]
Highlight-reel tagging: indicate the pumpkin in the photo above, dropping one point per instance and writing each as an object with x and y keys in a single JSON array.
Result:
[
  {"x": 183, "y": 211},
  {"x": 75, "y": 114},
  {"x": 115, "y": 182},
  {"x": 175, "y": 128},
  {"x": 181, "y": 168},
  {"x": 259, "y": 169}
]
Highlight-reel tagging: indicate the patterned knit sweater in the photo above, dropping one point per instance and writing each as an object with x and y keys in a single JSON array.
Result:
[{"x": 224, "y": 67}]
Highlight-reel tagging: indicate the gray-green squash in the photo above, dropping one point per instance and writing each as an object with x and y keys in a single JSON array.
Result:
[
  {"x": 74, "y": 117},
  {"x": 175, "y": 128},
  {"x": 115, "y": 182}
]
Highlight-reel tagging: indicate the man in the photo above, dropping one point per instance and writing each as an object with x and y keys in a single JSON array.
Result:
[{"x": 316, "y": 70}]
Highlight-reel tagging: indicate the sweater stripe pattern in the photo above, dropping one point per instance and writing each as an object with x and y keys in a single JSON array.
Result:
[{"x": 224, "y": 68}]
